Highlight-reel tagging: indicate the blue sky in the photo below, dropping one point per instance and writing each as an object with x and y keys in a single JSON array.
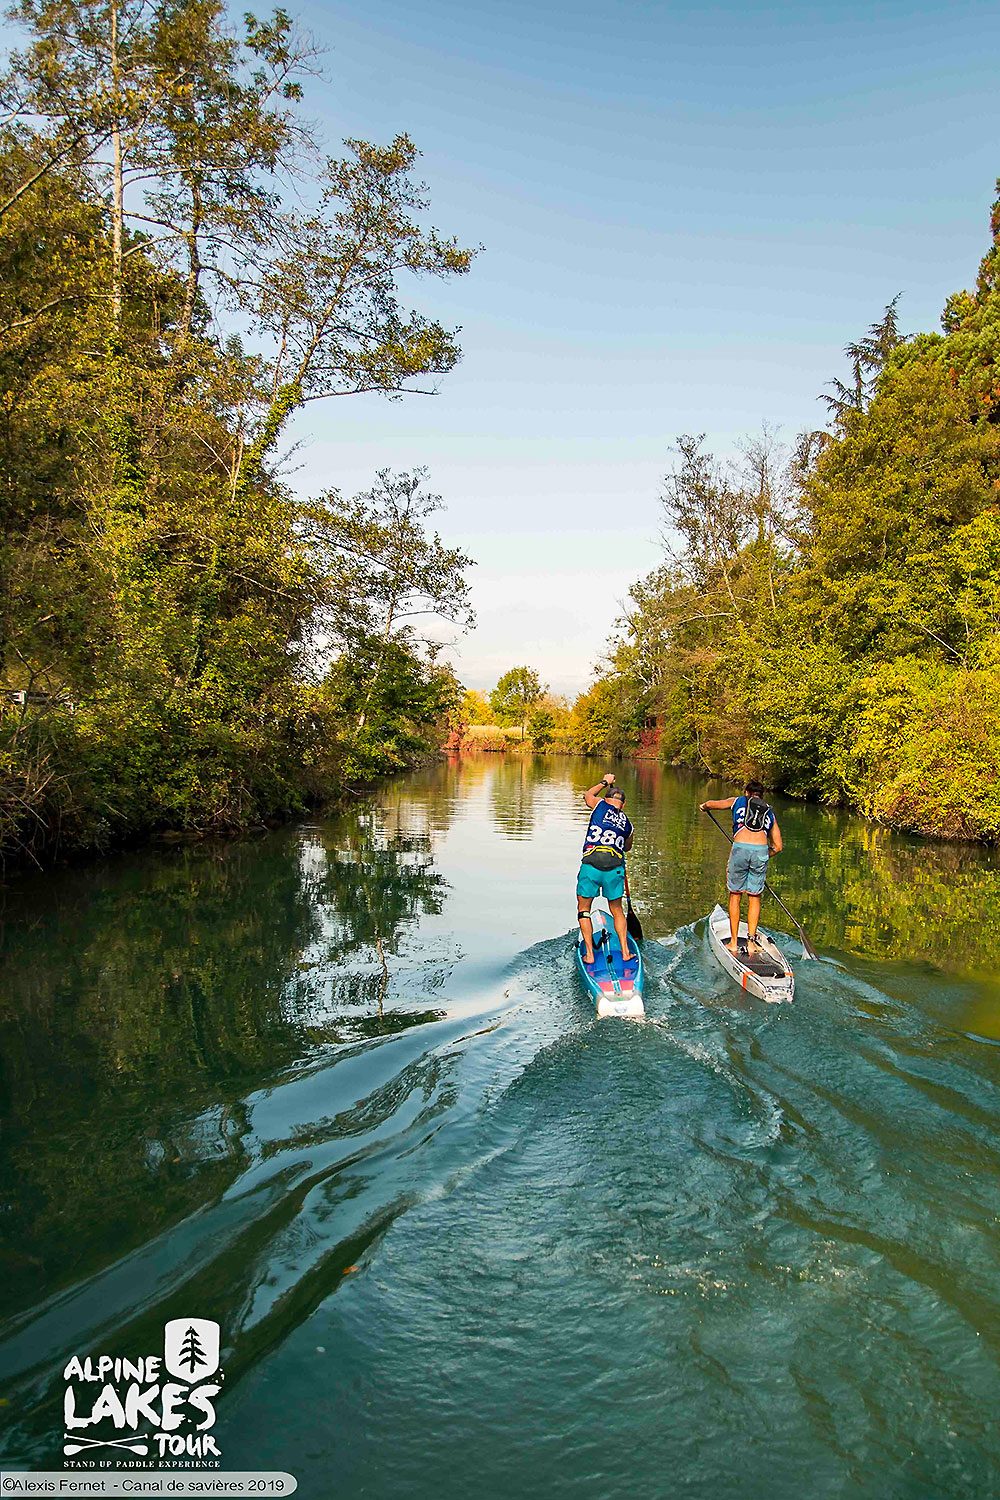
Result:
[{"x": 687, "y": 210}]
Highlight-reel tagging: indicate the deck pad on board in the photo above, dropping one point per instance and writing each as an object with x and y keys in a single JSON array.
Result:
[
  {"x": 761, "y": 963},
  {"x": 766, "y": 973},
  {"x": 615, "y": 985}
]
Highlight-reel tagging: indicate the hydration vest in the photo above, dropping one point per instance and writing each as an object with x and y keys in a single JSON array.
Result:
[
  {"x": 753, "y": 814},
  {"x": 756, "y": 818}
]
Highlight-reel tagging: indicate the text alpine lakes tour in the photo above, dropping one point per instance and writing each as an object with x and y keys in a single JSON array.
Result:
[{"x": 168, "y": 1407}]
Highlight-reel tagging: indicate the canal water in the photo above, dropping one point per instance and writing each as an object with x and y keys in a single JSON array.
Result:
[{"x": 338, "y": 1088}]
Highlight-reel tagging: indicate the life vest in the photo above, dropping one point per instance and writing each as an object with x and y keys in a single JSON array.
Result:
[{"x": 606, "y": 836}]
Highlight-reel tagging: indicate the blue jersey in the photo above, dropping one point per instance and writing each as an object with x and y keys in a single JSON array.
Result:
[
  {"x": 740, "y": 817},
  {"x": 608, "y": 829}
]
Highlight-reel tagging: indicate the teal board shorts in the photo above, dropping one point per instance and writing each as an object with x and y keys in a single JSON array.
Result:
[
  {"x": 747, "y": 868},
  {"x": 608, "y": 883}
]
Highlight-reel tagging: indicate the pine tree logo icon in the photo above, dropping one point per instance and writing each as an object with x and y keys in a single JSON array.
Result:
[{"x": 191, "y": 1348}]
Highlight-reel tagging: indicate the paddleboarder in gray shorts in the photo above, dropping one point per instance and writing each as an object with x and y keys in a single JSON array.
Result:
[{"x": 756, "y": 836}]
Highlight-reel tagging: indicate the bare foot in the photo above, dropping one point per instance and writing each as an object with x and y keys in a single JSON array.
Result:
[
  {"x": 588, "y": 958},
  {"x": 627, "y": 957}
]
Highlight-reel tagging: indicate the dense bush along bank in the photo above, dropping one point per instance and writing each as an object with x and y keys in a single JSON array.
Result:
[
  {"x": 185, "y": 644},
  {"x": 831, "y": 619}
]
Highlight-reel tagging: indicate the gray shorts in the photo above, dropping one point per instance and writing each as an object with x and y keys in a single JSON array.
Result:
[{"x": 747, "y": 868}]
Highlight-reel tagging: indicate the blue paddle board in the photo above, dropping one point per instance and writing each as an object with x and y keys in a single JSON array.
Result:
[{"x": 614, "y": 985}]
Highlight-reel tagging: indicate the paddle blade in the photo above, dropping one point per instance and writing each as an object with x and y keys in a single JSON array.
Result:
[
  {"x": 633, "y": 925},
  {"x": 808, "y": 951}
]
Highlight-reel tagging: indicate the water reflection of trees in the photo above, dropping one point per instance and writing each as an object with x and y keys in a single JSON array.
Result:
[
  {"x": 877, "y": 893},
  {"x": 515, "y": 785},
  {"x": 372, "y": 880},
  {"x": 855, "y": 886},
  {"x": 142, "y": 999}
]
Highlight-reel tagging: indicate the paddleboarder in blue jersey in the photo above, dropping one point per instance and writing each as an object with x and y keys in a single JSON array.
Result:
[
  {"x": 756, "y": 836},
  {"x": 602, "y": 868}
]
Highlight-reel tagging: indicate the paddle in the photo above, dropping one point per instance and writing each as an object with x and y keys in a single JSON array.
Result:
[
  {"x": 808, "y": 950},
  {"x": 632, "y": 923}
]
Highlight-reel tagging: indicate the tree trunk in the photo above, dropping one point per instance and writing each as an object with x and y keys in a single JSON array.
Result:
[
  {"x": 287, "y": 399},
  {"x": 117, "y": 186},
  {"x": 194, "y": 266},
  {"x": 386, "y": 634},
  {"x": 394, "y": 600}
]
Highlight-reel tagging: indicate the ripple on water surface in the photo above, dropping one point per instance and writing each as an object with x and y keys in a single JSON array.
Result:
[{"x": 463, "y": 1238}]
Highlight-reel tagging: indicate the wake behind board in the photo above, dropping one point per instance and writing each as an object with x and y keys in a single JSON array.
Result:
[
  {"x": 767, "y": 974},
  {"x": 614, "y": 986}
]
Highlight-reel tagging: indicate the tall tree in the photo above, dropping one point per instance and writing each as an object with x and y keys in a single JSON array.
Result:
[
  {"x": 387, "y": 577},
  {"x": 180, "y": 123},
  {"x": 515, "y": 695},
  {"x": 154, "y": 571},
  {"x": 85, "y": 83},
  {"x": 329, "y": 298},
  {"x": 868, "y": 357},
  {"x": 707, "y": 518},
  {"x": 971, "y": 320},
  {"x": 225, "y": 132}
]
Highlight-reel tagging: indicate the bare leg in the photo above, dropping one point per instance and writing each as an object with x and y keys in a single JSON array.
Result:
[
  {"x": 753, "y": 917},
  {"x": 621, "y": 926},
  {"x": 586, "y": 927},
  {"x": 735, "y": 897}
]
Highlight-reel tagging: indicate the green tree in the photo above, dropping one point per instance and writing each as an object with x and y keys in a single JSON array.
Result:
[
  {"x": 386, "y": 577},
  {"x": 833, "y": 620},
  {"x": 541, "y": 725},
  {"x": 329, "y": 299},
  {"x": 868, "y": 356},
  {"x": 406, "y": 712},
  {"x": 84, "y": 84},
  {"x": 971, "y": 347},
  {"x": 883, "y": 503},
  {"x": 169, "y": 601},
  {"x": 225, "y": 126},
  {"x": 515, "y": 694},
  {"x": 179, "y": 124}
]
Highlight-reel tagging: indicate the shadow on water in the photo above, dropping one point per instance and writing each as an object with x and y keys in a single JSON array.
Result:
[{"x": 141, "y": 999}]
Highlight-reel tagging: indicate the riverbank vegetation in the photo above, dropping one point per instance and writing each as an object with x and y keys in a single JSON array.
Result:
[
  {"x": 186, "y": 644},
  {"x": 829, "y": 618}
]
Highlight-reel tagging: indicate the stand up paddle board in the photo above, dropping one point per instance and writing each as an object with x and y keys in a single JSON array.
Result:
[
  {"x": 614, "y": 985},
  {"x": 767, "y": 974}
]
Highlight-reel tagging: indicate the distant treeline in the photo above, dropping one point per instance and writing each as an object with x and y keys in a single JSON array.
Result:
[
  {"x": 519, "y": 714},
  {"x": 185, "y": 644},
  {"x": 830, "y": 618}
]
